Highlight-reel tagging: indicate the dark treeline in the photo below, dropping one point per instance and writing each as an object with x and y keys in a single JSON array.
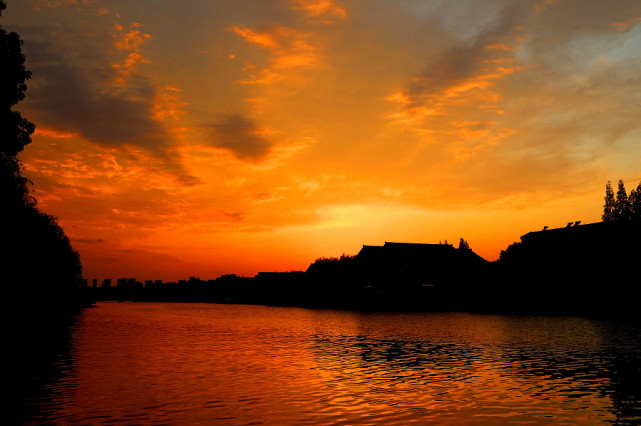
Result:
[
  {"x": 623, "y": 207},
  {"x": 40, "y": 268}
]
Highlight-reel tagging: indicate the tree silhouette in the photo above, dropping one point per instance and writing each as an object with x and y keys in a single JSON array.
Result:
[
  {"x": 608, "y": 206},
  {"x": 15, "y": 131},
  {"x": 463, "y": 245},
  {"x": 622, "y": 204},
  {"x": 39, "y": 266},
  {"x": 635, "y": 203}
]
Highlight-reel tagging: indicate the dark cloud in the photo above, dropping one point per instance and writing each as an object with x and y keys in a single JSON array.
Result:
[
  {"x": 239, "y": 135},
  {"x": 83, "y": 96},
  {"x": 70, "y": 100}
]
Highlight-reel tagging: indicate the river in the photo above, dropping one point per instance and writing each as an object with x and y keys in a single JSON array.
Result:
[{"x": 158, "y": 363}]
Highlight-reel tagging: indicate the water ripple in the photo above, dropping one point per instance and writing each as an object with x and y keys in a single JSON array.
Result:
[{"x": 250, "y": 365}]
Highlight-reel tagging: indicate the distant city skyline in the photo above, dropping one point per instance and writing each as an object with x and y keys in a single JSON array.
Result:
[{"x": 191, "y": 138}]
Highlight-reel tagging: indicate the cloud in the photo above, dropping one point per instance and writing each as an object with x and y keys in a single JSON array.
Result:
[
  {"x": 290, "y": 49},
  {"x": 130, "y": 42},
  {"x": 466, "y": 68},
  {"x": 114, "y": 106},
  {"x": 520, "y": 109},
  {"x": 70, "y": 98},
  {"x": 315, "y": 8},
  {"x": 240, "y": 136}
]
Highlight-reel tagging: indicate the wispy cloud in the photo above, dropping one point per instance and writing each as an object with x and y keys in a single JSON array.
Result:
[
  {"x": 290, "y": 49},
  {"x": 320, "y": 8},
  {"x": 465, "y": 73},
  {"x": 241, "y": 136},
  {"x": 129, "y": 41}
]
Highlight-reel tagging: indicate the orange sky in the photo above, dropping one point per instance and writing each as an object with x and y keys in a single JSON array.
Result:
[{"x": 209, "y": 137}]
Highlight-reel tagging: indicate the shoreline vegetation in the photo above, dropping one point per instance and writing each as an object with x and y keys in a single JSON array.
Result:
[{"x": 41, "y": 270}]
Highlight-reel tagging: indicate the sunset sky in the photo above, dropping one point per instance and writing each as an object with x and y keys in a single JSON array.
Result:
[{"x": 179, "y": 138}]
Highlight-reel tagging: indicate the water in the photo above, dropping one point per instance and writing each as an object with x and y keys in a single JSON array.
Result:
[{"x": 154, "y": 363}]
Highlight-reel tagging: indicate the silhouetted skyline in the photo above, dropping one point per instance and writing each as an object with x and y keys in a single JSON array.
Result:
[{"x": 579, "y": 269}]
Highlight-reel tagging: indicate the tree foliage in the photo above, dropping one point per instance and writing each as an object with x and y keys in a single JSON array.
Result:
[
  {"x": 622, "y": 207},
  {"x": 344, "y": 259},
  {"x": 15, "y": 131},
  {"x": 622, "y": 204},
  {"x": 39, "y": 261},
  {"x": 635, "y": 203},
  {"x": 608, "y": 206},
  {"x": 463, "y": 245}
]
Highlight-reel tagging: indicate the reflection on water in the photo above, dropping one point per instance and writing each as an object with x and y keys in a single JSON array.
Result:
[{"x": 225, "y": 364}]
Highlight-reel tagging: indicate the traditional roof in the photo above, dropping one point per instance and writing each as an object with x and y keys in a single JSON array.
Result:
[{"x": 415, "y": 256}]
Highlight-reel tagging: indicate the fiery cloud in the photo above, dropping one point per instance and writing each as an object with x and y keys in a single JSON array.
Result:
[
  {"x": 316, "y": 8},
  {"x": 290, "y": 49},
  {"x": 130, "y": 42}
]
